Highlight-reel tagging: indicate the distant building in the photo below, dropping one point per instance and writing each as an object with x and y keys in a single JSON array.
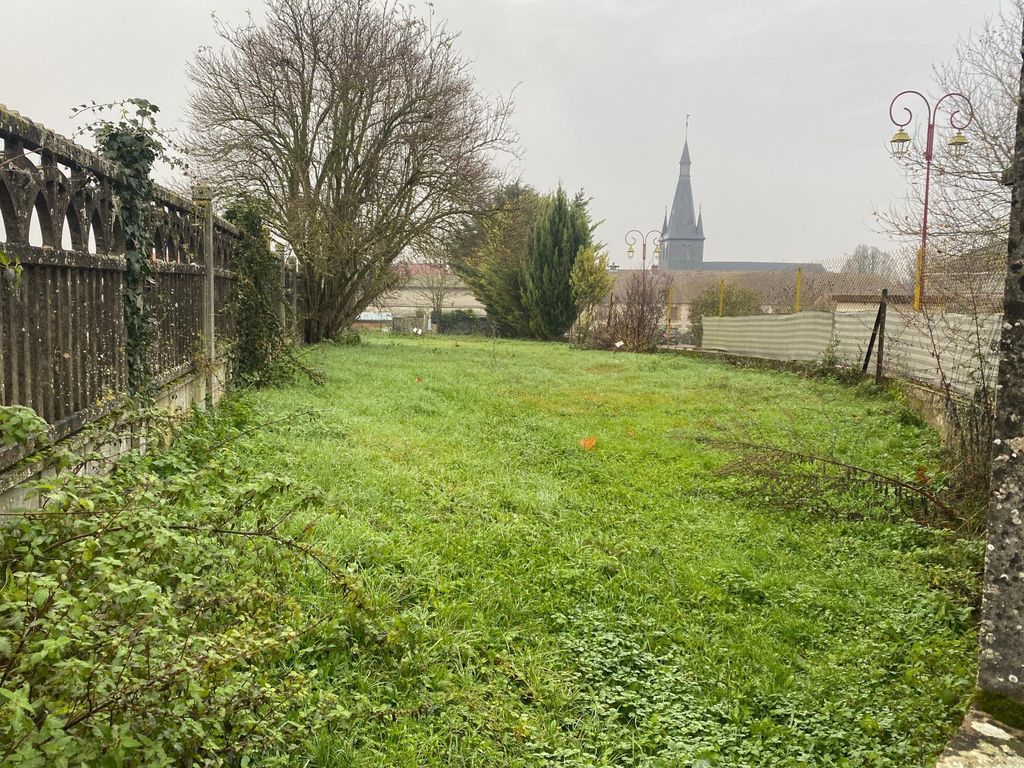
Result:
[
  {"x": 409, "y": 305},
  {"x": 682, "y": 234},
  {"x": 373, "y": 321},
  {"x": 819, "y": 290}
]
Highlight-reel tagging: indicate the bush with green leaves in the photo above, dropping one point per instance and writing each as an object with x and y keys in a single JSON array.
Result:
[
  {"x": 162, "y": 617},
  {"x": 263, "y": 352},
  {"x": 493, "y": 255},
  {"x": 461, "y": 321},
  {"x": 20, "y": 425},
  {"x": 348, "y": 338}
]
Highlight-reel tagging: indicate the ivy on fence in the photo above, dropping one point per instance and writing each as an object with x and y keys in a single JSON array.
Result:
[
  {"x": 263, "y": 350},
  {"x": 133, "y": 143}
]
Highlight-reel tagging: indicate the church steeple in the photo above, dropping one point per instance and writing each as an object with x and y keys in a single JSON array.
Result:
[
  {"x": 683, "y": 221},
  {"x": 683, "y": 246}
]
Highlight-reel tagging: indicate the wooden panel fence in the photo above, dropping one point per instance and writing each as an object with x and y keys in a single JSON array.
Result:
[{"x": 61, "y": 324}]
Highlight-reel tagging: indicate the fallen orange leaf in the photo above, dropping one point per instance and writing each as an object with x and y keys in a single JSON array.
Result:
[
  {"x": 631, "y": 433},
  {"x": 588, "y": 443},
  {"x": 419, "y": 379}
]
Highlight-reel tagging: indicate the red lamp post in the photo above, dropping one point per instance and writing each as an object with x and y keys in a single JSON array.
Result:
[{"x": 959, "y": 119}]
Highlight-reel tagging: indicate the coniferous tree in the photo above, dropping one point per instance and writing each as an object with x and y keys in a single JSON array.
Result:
[
  {"x": 562, "y": 230},
  {"x": 491, "y": 254}
]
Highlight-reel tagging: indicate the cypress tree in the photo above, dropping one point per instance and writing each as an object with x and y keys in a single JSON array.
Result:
[
  {"x": 492, "y": 256},
  {"x": 562, "y": 230}
]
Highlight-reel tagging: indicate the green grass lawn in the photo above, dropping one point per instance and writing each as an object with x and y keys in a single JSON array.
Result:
[{"x": 529, "y": 602}]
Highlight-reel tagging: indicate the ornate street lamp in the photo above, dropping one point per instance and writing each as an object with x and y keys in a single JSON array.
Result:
[
  {"x": 900, "y": 144},
  {"x": 959, "y": 119},
  {"x": 958, "y": 145},
  {"x": 631, "y": 239}
]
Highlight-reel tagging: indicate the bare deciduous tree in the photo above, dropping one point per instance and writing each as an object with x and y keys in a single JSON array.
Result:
[
  {"x": 433, "y": 278},
  {"x": 362, "y": 127},
  {"x": 969, "y": 203},
  {"x": 636, "y": 318},
  {"x": 865, "y": 259}
]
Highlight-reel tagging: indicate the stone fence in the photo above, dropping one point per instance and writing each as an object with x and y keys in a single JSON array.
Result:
[{"x": 62, "y": 332}]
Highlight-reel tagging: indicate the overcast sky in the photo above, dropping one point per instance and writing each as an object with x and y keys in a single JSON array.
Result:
[{"x": 788, "y": 98}]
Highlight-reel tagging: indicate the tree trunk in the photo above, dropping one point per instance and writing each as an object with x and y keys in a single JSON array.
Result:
[{"x": 1001, "y": 667}]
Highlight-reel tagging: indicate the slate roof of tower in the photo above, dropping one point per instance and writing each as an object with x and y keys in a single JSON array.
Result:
[{"x": 682, "y": 223}]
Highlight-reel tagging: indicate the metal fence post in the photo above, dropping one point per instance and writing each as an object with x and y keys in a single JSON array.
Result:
[
  {"x": 879, "y": 358},
  {"x": 878, "y": 327}
]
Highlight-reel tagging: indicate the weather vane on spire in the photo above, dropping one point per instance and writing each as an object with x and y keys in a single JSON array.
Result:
[{"x": 687, "y": 137}]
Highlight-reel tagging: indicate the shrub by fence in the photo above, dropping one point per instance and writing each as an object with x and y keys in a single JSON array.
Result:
[{"x": 461, "y": 322}]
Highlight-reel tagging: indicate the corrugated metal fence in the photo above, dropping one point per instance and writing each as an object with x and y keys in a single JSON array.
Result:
[{"x": 934, "y": 348}]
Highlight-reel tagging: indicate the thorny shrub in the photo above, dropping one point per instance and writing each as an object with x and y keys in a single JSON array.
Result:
[
  {"x": 145, "y": 617},
  {"x": 632, "y": 322}
]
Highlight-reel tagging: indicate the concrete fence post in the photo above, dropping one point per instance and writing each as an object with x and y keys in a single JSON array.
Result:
[
  {"x": 296, "y": 320},
  {"x": 282, "y": 265},
  {"x": 203, "y": 197},
  {"x": 1001, "y": 664}
]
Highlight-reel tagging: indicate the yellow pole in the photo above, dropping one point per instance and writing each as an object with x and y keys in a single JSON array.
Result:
[
  {"x": 919, "y": 280},
  {"x": 799, "y": 283},
  {"x": 721, "y": 297}
]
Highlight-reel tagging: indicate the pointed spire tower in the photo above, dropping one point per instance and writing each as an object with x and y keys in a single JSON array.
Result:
[{"x": 683, "y": 246}]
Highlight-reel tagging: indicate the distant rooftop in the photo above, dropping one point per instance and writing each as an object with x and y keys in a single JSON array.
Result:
[
  {"x": 370, "y": 316},
  {"x": 777, "y": 287},
  {"x": 759, "y": 266}
]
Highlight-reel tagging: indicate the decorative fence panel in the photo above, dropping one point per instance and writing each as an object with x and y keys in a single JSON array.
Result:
[
  {"x": 61, "y": 323},
  {"x": 60, "y": 332},
  {"x": 177, "y": 305}
]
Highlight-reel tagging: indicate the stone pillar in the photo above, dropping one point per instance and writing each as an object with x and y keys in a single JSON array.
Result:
[{"x": 1001, "y": 664}]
